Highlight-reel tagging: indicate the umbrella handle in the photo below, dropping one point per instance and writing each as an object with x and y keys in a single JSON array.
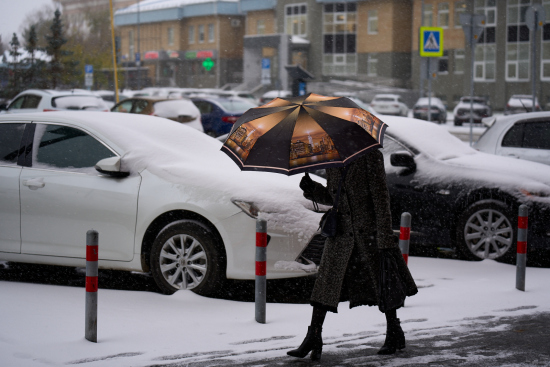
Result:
[{"x": 307, "y": 175}]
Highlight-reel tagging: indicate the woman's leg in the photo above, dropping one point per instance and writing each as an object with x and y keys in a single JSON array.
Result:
[
  {"x": 313, "y": 341},
  {"x": 395, "y": 338}
]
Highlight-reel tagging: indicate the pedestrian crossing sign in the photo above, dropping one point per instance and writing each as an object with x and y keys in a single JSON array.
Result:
[{"x": 431, "y": 41}]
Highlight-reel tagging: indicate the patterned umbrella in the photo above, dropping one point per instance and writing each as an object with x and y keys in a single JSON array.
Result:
[{"x": 300, "y": 134}]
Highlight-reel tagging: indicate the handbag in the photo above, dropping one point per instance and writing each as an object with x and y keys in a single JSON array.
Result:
[
  {"x": 313, "y": 251},
  {"x": 390, "y": 285}
]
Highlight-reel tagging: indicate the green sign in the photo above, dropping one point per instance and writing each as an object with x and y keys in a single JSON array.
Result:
[{"x": 208, "y": 64}]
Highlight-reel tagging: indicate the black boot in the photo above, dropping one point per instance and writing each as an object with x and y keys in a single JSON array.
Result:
[
  {"x": 313, "y": 342},
  {"x": 395, "y": 338}
]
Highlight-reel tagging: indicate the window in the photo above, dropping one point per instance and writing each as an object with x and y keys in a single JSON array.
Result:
[
  {"x": 211, "y": 33},
  {"x": 460, "y": 8},
  {"x": 372, "y": 65},
  {"x": 260, "y": 26},
  {"x": 124, "y": 106},
  {"x": 459, "y": 62},
  {"x": 26, "y": 101},
  {"x": 443, "y": 15},
  {"x": 443, "y": 63},
  {"x": 67, "y": 147},
  {"x": 131, "y": 47},
  {"x": 170, "y": 36},
  {"x": 427, "y": 15},
  {"x": 296, "y": 19},
  {"x": 201, "y": 33},
  {"x": 372, "y": 24},
  {"x": 10, "y": 139},
  {"x": 191, "y": 34},
  {"x": 517, "y": 41},
  {"x": 534, "y": 135},
  {"x": 339, "y": 37},
  {"x": 545, "y": 52},
  {"x": 485, "y": 51}
]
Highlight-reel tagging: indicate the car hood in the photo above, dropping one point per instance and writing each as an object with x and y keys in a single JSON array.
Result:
[
  {"x": 184, "y": 156},
  {"x": 523, "y": 179}
]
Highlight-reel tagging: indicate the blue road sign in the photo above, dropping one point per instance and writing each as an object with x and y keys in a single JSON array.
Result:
[
  {"x": 88, "y": 69},
  {"x": 431, "y": 41},
  {"x": 266, "y": 63},
  {"x": 137, "y": 56}
]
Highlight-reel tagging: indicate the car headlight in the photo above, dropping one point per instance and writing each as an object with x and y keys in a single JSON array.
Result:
[{"x": 249, "y": 208}]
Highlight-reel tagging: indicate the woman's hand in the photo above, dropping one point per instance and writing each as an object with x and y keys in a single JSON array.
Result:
[{"x": 307, "y": 184}]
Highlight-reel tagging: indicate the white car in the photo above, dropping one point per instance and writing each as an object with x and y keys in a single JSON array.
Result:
[
  {"x": 162, "y": 196},
  {"x": 272, "y": 94},
  {"x": 525, "y": 136},
  {"x": 521, "y": 103},
  {"x": 389, "y": 104},
  {"x": 44, "y": 100}
]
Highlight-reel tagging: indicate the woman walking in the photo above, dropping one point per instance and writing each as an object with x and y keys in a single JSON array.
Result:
[{"x": 350, "y": 265}]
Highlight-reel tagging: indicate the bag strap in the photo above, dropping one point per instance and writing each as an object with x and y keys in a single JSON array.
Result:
[{"x": 342, "y": 178}]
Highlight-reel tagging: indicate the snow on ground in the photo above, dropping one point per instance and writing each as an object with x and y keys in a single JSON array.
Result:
[{"x": 43, "y": 325}]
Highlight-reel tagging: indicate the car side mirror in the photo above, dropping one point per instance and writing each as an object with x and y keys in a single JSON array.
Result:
[
  {"x": 111, "y": 167},
  {"x": 403, "y": 159}
]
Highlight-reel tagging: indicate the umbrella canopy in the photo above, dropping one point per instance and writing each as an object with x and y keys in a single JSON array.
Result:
[{"x": 300, "y": 134}]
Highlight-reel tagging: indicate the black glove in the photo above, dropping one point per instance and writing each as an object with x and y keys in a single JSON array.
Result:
[{"x": 307, "y": 184}]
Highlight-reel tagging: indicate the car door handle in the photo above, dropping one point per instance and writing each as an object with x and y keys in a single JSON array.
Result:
[{"x": 34, "y": 183}]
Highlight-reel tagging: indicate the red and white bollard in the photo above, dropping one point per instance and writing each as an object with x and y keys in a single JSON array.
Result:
[
  {"x": 521, "y": 263},
  {"x": 261, "y": 257},
  {"x": 91, "y": 285},
  {"x": 405, "y": 235}
]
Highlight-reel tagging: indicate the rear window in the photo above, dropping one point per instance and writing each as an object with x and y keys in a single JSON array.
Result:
[
  {"x": 237, "y": 106},
  {"x": 79, "y": 103},
  {"x": 385, "y": 99}
]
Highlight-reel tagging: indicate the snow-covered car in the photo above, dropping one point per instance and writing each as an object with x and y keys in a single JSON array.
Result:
[
  {"x": 181, "y": 110},
  {"x": 525, "y": 136},
  {"x": 43, "y": 100},
  {"x": 163, "y": 198},
  {"x": 459, "y": 197},
  {"x": 109, "y": 97},
  {"x": 436, "y": 106},
  {"x": 480, "y": 106},
  {"x": 389, "y": 104},
  {"x": 268, "y": 96},
  {"x": 520, "y": 103}
]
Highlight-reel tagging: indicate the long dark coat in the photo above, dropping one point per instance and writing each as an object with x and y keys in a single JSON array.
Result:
[{"x": 349, "y": 268}]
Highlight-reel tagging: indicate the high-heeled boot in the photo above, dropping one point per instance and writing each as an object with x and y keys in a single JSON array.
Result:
[
  {"x": 313, "y": 342},
  {"x": 395, "y": 338}
]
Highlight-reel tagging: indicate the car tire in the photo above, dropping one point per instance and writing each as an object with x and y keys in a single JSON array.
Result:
[
  {"x": 486, "y": 230},
  {"x": 186, "y": 255}
]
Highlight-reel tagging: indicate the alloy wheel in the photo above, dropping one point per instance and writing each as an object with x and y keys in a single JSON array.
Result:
[
  {"x": 183, "y": 261},
  {"x": 488, "y": 234}
]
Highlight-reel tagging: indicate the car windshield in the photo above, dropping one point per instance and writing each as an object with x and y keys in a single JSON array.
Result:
[
  {"x": 475, "y": 100},
  {"x": 236, "y": 105},
  {"x": 79, "y": 103}
]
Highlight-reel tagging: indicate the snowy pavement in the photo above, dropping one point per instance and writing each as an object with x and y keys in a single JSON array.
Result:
[{"x": 43, "y": 324}]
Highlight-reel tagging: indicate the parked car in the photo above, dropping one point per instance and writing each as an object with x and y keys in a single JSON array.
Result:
[
  {"x": 179, "y": 110},
  {"x": 480, "y": 106},
  {"x": 525, "y": 136},
  {"x": 363, "y": 105},
  {"x": 43, "y": 100},
  {"x": 268, "y": 96},
  {"x": 238, "y": 94},
  {"x": 520, "y": 103},
  {"x": 389, "y": 104},
  {"x": 438, "y": 110},
  {"x": 219, "y": 114},
  {"x": 163, "y": 198},
  {"x": 109, "y": 97},
  {"x": 461, "y": 198}
]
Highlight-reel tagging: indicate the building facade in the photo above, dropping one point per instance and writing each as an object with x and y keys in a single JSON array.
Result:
[{"x": 186, "y": 43}]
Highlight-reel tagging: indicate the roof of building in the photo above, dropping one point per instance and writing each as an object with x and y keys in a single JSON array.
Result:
[{"x": 149, "y": 11}]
